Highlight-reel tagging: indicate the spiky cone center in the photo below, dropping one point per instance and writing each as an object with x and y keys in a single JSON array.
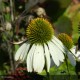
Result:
[
  {"x": 39, "y": 31},
  {"x": 66, "y": 40}
]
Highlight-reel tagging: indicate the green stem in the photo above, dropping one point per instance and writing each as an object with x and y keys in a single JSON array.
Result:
[
  {"x": 67, "y": 66},
  {"x": 47, "y": 75}
]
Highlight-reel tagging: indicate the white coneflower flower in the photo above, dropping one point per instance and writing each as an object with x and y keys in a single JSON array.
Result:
[
  {"x": 67, "y": 41},
  {"x": 40, "y": 47}
]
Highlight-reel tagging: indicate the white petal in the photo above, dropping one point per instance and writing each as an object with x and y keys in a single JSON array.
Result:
[
  {"x": 58, "y": 43},
  {"x": 60, "y": 55},
  {"x": 38, "y": 61},
  {"x": 76, "y": 54},
  {"x": 53, "y": 53},
  {"x": 73, "y": 49},
  {"x": 59, "y": 52},
  {"x": 26, "y": 51},
  {"x": 30, "y": 58},
  {"x": 20, "y": 52},
  {"x": 47, "y": 55},
  {"x": 71, "y": 58}
]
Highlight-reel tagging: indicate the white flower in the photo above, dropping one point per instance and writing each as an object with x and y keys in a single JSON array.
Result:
[
  {"x": 36, "y": 55},
  {"x": 67, "y": 41},
  {"x": 41, "y": 47}
]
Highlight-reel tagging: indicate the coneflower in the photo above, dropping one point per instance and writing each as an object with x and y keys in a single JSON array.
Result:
[{"x": 40, "y": 46}]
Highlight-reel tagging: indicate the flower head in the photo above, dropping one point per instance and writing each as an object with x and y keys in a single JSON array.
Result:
[
  {"x": 41, "y": 46},
  {"x": 66, "y": 40},
  {"x": 39, "y": 31}
]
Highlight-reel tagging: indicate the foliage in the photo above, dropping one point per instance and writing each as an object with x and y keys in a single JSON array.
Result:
[{"x": 64, "y": 25}]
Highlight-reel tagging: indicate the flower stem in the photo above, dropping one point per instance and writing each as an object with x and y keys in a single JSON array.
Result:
[
  {"x": 66, "y": 61},
  {"x": 47, "y": 76}
]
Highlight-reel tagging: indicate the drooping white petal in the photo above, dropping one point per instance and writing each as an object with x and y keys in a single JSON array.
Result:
[
  {"x": 60, "y": 55},
  {"x": 53, "y": 53},
  {"x": 73, "y": 50},
  {"x": 58, "y": 43},
  {"x": 30, "y": 58},
  {"x": 59, "y": 51},
  {"x": 47, "y": 55},
  {"x": 20, "y": 52},
  {"x": 77, "y": 54},
  {"x": 38, "y": 61},
  {"x": 25, "y": 51},
  {"x": 71, "y": 58}
]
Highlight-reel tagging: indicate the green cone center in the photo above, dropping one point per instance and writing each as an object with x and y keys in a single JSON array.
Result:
[{"x": 39, "y": 31}]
